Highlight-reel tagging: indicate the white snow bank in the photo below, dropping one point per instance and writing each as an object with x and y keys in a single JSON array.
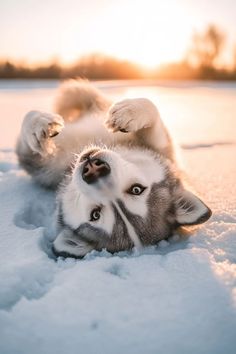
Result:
[{"x": 178, "y": 297}]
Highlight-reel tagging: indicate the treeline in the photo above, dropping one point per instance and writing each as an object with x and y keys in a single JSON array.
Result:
[
  {"x": 94, "y": 67},
  {"x": 110, "y": 68},
  {"x": 184, "y": 71},
  {"x": 203, "y": 60}
]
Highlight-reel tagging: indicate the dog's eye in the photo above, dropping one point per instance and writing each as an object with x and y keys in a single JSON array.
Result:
[
  {"x": 95, "y": 214},
  {"x": 136, "y": 189}
]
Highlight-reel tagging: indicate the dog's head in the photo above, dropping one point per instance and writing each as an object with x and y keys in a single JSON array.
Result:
[{"x": 117, "y": 199}]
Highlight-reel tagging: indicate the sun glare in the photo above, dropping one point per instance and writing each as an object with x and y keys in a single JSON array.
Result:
[{"x": 146, "y": 33}]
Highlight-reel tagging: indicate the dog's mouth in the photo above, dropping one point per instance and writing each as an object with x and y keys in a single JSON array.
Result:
[
  {"x": 95, "y": 174},
  {"x": 89, "y": 154},
  {"x": 93, "y": 166}
]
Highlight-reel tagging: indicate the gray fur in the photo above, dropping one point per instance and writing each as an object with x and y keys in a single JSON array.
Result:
[{"x": 48, "y": 152}]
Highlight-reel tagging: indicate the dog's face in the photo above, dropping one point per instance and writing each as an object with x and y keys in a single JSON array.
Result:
[{"x": 117, "y": 199}]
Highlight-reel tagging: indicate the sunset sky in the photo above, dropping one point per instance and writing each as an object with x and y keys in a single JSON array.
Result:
[{"x": 149, "y": 32}]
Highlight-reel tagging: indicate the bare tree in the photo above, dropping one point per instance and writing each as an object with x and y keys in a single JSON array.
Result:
[
  {"x": 206, "y": 47},
  {"x": 234, "y": 58}
]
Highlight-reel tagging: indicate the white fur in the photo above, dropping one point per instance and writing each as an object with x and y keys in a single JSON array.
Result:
[
  {"x": 77, "y": 207},
  {"x": 186, "y": 216},
  {"x": 37, "y": 127},
  {"x": 80, "y": 198},
  {"x": 129, "y": 136},
  {"x": 132, "y": 233},
  {"x": 80, "y": 249}
]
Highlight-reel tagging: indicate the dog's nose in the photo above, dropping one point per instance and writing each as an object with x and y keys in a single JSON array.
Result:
[{"x": 94, "y": 169}]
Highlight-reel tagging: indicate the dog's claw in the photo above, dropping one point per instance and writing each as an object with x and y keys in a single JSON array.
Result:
[
  {"x": 54, "y": 129},
  {"x": 38, "y": 127}
]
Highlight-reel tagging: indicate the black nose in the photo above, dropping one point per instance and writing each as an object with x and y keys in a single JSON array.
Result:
[{"x": 94, "y": 169}]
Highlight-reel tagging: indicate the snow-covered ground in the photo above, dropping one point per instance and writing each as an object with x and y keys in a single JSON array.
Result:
[{"x": 178, "y": 297}]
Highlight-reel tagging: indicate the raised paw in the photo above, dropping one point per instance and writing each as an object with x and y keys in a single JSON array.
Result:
[
  {"x": 131, "y": 115},
  {"x": 38, "y": 128}
]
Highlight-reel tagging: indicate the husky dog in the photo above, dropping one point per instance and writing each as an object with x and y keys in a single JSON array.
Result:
[{"x": 114, "y": 168}]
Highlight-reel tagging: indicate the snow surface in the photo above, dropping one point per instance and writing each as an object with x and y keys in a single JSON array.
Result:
[{"x": 178, "y": 297}]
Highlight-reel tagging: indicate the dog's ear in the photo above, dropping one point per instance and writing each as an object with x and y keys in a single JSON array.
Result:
[
  {"x": 189, "y": 209},
  {"x": 67, "y": 244}
]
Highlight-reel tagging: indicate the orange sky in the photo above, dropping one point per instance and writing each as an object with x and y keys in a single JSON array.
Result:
[{"x": 149, "y": 32}]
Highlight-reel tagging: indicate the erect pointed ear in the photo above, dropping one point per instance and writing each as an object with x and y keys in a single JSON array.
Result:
[
  {"x": 67, "y": 244},
  {"x": 189, "y": 209}
]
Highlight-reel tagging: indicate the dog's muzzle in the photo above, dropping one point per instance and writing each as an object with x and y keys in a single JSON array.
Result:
[{"x": 94, "y": 169}]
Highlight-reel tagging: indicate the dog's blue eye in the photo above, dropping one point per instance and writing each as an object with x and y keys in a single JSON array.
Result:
[
  {"x": 136, "y": 189},
  {"x": 95, "y": 214}
]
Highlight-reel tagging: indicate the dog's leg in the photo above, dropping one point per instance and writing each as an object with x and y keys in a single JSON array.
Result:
[
  {"x": 141, "y": 118},
  {"x": 78, "y": 97},
  {"x": 36, "y": 149}
]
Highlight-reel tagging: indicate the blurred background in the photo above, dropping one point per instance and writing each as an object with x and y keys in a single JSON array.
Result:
[
  {"x": 181, "y": 298},
  {"x": 111, "y": 39},
  {"x": 181, "y": 54}
]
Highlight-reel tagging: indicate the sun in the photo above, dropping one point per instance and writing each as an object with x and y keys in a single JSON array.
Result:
[{"x": 148, "y": 33}]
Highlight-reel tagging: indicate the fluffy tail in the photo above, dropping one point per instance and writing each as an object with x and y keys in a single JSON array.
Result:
[{"x": 76, "y": 97}]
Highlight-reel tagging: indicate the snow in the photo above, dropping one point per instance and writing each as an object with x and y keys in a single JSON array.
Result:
[{"x": 178, "y": 297}]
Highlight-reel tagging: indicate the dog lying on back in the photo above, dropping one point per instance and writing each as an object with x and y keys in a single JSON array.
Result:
[{"x": 114, "y": 168}]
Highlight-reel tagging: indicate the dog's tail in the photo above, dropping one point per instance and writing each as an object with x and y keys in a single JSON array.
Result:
[{"x": 76, "y": 97}]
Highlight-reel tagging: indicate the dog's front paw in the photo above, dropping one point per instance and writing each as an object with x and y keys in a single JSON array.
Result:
[
  {"x": 131, "y": 115},
  {"x": 37, "y": 129}
]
